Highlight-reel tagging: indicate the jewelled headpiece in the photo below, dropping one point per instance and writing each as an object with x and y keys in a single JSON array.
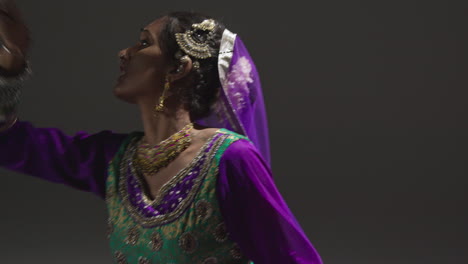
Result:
[
  {"x": 192, "y": 43},
  {"x": 240, "y": 106}
]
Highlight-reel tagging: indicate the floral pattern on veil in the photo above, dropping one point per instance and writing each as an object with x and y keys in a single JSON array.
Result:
[{"x": 237, "y": 81}]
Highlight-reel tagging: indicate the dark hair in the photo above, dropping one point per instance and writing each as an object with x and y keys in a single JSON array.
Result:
[{"x": 200, "y": 96}]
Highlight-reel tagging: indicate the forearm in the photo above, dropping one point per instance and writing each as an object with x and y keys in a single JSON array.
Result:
[{"x": 79, "y": 161}]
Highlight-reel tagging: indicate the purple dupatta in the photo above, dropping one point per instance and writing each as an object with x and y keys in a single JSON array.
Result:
[{"x": 240, "y": 107}]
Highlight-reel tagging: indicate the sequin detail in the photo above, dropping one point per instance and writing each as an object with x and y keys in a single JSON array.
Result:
[
  {"x": 142, "y": 260},
  {"x": 175, "y": 196},
  {"x": 170, "y": 244},
  {"x": 132, "y": 236},
  {"x": 156, "y": 241},
  {"x": 210, "y": 260},
  {"x": 120, "y": 257},
  {"x": 109, "y": 194},
  {"x": 220, "y": 233},
  {"x": 110, "y": 228},
  {"x": 236, "y": 252},
  {"x": 188, "y": 242},
  {"x": 203, "y": 209}
]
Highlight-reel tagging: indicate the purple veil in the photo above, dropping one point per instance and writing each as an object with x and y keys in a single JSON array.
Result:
[{"x": 240, "y": 107}]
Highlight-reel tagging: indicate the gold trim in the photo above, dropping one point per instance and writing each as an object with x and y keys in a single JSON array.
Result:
[
  {"x": 183, "y": 205},
  {"x": 188, "y": 242},
  {"x": 199, "y": 50}
]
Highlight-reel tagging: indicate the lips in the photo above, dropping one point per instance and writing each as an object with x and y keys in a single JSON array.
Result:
[{"x": 123, "y": 70}]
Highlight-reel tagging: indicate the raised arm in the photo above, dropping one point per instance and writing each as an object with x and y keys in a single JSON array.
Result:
[
  {"x": 14, "y": 68},
  {"x": 79, "y": 161},
  {"x": 255, "y": 213}
]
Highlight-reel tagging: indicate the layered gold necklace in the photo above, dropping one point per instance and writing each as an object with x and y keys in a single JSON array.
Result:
[{"x": 150, "y": 159}]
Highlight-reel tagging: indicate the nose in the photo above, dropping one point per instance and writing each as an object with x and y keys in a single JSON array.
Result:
[{"x": 123, "y": 54}]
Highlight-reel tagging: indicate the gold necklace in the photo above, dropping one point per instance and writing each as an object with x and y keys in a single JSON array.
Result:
[{"x": 150, "y": 159}]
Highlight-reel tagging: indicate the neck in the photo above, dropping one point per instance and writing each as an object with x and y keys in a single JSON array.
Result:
[{"x": 163, "y": 126}]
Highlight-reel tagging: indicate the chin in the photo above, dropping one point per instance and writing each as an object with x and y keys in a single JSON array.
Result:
[
  {"x": 123, "y": 94},
  {"x": 132, "y": 89}
]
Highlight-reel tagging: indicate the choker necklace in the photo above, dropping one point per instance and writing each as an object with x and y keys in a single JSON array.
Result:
[{"x": 150, "y": 159}]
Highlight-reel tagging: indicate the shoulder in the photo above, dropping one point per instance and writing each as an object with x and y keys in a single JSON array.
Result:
[
  {"x": 239, "y": 147},
  {"x": 242, "y": 166},
  {"x": 232, "y": 136},
  {"x": 127, "y": 140},
  {"x": 235, "y": 144},
  {"x": 239, "y": 151},
  {"x": 103, "y": 136}
]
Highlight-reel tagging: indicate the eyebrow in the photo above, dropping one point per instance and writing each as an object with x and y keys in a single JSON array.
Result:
[{"x": 147, "y": 31}]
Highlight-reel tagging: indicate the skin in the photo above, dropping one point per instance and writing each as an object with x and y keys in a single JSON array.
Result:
[
  {"x": 15, "y": 36},
  {"x": 146, "y": 70}
]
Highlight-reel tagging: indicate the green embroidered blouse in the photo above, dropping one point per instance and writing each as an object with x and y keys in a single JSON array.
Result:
[{"x": 183, "y": 224}]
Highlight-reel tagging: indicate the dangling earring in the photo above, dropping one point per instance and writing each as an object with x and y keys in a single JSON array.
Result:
[{"x": 160, "y": 107}]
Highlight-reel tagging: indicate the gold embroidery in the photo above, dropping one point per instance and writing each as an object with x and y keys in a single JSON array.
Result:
[
  {"x": 132, "y": 236},
  {"x": 142, "y": 260},
  {"x": 109, "y": 194},
  {"x": 171, "y": 231},
  {"x": 220, "y": 233},
  {"x": 120, "y": 257},
  {"x": 203, "y": 206},
  {"x": 156, "y": 241},
  {"x": 110, "y": 228},
  {"x": 188, "y": 242},
  {"x": 236, "y": 252},
  {"x": 184, "y": 204},
  {"x": 203, "y": 209}
]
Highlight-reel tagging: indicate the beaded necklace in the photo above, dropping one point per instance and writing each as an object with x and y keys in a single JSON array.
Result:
[{"x": 150, "y": 159}]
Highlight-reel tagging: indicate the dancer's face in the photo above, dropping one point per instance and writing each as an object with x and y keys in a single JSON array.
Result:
[{"x": 143, "y": 66}]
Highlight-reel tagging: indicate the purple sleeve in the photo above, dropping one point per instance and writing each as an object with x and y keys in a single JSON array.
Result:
[
  {"x": 255, "y": 213},
  {"x": 79, "y": 161}
]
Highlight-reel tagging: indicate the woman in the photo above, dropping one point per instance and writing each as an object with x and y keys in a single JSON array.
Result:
[{"x": 195, "y": 185}]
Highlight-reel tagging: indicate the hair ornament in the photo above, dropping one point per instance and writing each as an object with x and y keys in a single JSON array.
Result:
[
  {"x": 196, "y": 65},
  {"x": 206, "y": 25},
  {"x": 193, "y": 44}
]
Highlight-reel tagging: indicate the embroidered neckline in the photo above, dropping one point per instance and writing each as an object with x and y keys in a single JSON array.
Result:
[
  {"x": 169, "y": 203},
  {"x": 176, "y": 177}
]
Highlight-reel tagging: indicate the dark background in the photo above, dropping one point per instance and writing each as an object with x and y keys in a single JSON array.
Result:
[{"x": 367, "y": 104}]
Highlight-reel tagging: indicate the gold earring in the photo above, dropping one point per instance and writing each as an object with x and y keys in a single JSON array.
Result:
[{"x": 160, "y": 107}]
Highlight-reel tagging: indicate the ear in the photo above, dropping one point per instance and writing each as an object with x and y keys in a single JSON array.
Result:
[{"x": 180, "y": 70}]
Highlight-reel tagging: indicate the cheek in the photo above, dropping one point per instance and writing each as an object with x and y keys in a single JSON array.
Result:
[
  {"x": 144, "y": 76},
  {"x": 146, "y": 67},
  {"x": 143, "y": 60},
  {"x": 146, "y": 82}
]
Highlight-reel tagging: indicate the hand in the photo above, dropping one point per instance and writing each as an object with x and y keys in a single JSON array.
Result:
[{"x": 15, "y": 37}]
